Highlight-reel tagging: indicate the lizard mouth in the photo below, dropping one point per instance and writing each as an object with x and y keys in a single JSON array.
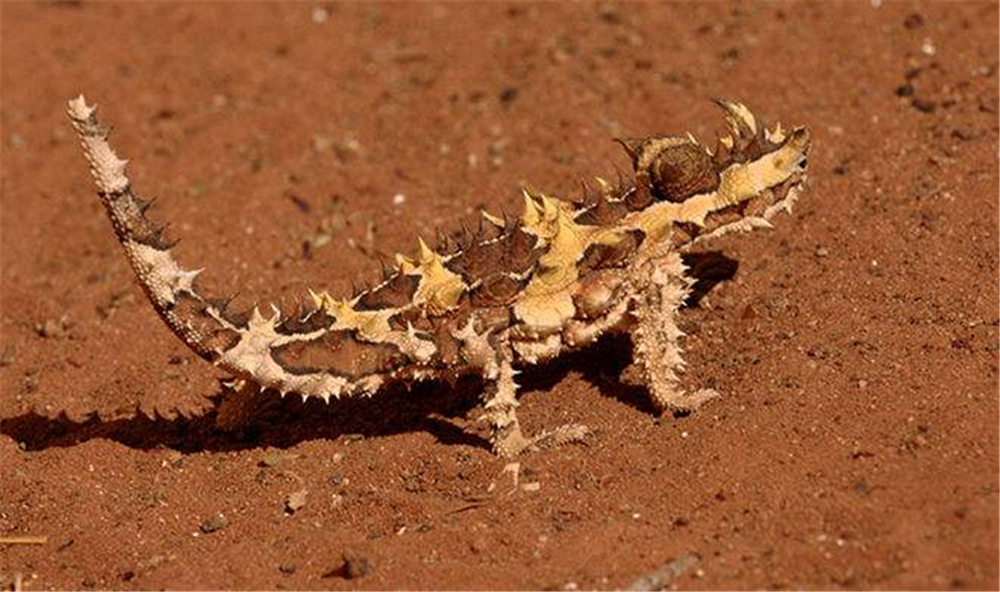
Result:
[{"x": 747, "y": 215}]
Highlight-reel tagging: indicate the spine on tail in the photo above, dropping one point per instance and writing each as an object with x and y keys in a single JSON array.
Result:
[
  {"x": 243, "y": 344},
  {"x": 196, "y": 319}
]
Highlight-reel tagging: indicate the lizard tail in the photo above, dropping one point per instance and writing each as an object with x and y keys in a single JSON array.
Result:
[
  {"x": 243, "y": 344},
  {"x": 199, "y": 321}
]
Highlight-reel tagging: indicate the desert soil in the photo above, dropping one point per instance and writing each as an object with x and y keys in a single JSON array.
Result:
[{"x": 856, "y": 344}]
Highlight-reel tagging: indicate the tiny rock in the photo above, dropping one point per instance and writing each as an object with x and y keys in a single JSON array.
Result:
[
  {"x": 355, "y": 566},
  {"x": 271, "y": 460},
  {"x": 51, "y": 329},
  {"x": 320, "y": 15},
  {"x": 217, "y": 522},
  {"x": 296, "y": 501},
  {"x": 322, "y": 143}
]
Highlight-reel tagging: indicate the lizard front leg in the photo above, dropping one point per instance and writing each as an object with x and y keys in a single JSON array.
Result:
[
  {"x": 656, "y": 336},
  {"x": 494, "y": 357},
  {"x": 500, "y": 401}
]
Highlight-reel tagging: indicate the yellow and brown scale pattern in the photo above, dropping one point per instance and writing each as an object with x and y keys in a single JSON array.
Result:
[
  {"x": 433, "y": 295},
  {"x": 519, "y": 275},
  {"x": 524, "y": 275},
  {"x": 518, "y": 291}
]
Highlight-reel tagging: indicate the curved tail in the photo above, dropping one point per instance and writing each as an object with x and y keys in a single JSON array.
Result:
[
  {"x": 196, "y": 319},
  {"x": 249, "y": 346}
]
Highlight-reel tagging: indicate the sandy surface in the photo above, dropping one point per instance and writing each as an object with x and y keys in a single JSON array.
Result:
[{"x": 856, "y": 343}]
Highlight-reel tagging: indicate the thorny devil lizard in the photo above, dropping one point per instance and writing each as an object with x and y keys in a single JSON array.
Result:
[{"x": 521, "y": 291}]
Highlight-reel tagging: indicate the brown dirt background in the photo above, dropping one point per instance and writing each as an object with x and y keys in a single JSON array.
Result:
[{"x": 856, "y": 344}]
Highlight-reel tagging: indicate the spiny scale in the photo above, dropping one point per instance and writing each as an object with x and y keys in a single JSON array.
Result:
[{"x": 513, "y": 293}]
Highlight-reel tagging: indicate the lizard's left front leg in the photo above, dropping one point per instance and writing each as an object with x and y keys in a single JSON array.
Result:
[{"x": 656, "y": 336}]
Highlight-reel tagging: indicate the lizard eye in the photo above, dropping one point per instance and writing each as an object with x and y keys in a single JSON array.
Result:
[{"x": 678, "y": 172}]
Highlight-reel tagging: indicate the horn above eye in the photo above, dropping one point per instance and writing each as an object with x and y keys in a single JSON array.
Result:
[{"x": 633, "y": 147}]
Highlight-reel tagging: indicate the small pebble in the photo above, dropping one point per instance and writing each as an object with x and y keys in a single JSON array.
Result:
[
  {"x": 508, "y": 94},
  {"x": 322, "y": 143},
  {"x": 296, "y": 501},
  {"x": 7, "y": 357},
  {"x": 51, "y": 329},
  {"x": 271, "y": 460},
  {"x": 479, "y": 545},
  {"x": 923, "y": 105},
  {"x": 320, "y": 15},
  {"x": 913, "y": 21},
  {"x": 217, "y": 522},
  {"x": 964, "y": 134},
  {"x": 356, "y": 566}
]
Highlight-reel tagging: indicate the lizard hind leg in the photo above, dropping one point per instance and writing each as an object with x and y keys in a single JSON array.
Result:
[{"x": 656, "y": 338}]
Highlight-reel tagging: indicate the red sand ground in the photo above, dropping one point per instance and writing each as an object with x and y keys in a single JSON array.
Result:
[{"x": 856, "y": 344}]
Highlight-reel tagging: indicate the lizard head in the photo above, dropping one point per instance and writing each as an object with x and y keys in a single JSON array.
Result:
[{"x": 752, "y": 174}]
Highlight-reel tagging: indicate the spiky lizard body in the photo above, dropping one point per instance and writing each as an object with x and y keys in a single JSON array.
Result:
[{"x": 523, "y": 291}]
